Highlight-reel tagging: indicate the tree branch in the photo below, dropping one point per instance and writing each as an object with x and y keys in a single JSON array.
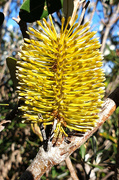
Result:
[
  {"x": 113, "y": 19},
  {"x": 71, "y": 169},
  {"x": 23, "y": 26},
  {"x": 44, "y": 161},
  {"x": 93, "y": 11},
  {"x": 77, "y": 5},
  {"x": 85, "y": 5}
]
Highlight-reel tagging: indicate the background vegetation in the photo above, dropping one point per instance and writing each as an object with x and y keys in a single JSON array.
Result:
[{"x": 96, "y": 159}]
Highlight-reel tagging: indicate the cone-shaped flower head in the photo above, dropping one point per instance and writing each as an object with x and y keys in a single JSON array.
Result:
[{"x": 60, "y": 76}]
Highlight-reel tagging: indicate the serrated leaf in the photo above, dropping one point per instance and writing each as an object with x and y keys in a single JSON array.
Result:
[
  {"x": 32, "y": 10},
  {"x": 11, "y": 63}
]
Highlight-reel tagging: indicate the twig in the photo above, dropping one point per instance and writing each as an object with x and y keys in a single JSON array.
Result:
[
  {"x": 77, "y": 5},
  {"x": 5, "y": 11},
  {"x": 93, "y": 11},
  {"x": 113, "y": 19},
  {"x": 59, "y": 15},
  {"x": 85, "y": 5},
  {"x": 23, "y": 26},
  {"x": 6, "y": 7},
  {"x": 112, "y": 85},
  {"x": 3, "y": 122},
  {"x": 108, "y": 175},
  {"x": 71, "y": 169},
  {"x": 45, "y": 160},
  {"x": 3, "y": 70}
]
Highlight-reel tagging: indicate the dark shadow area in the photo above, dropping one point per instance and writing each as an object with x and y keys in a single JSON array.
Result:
[{"x": 27, "y": 175}]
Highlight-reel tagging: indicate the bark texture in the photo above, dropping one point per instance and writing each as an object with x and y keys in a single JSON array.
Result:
[{"x": 44, "y": 161}]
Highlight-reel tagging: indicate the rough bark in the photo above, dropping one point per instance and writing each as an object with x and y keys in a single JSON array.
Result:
[{"x": 44, "y": 161}]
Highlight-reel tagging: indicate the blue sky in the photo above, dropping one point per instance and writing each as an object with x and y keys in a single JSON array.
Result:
[
  {"x": 14, "y": 14},
  {"x": 95, "y": 25},
  {"x": 95, "y": 21}
]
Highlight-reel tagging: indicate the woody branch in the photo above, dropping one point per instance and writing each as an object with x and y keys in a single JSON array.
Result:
[{"x": 44, "y": 161}]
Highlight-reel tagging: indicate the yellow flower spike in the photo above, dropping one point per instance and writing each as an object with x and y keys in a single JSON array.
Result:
[{"x": 60, "y": 76}]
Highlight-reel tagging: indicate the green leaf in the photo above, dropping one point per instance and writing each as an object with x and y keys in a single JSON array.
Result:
[
  {"x": 26, "y": 5},
  {"x": 94, "y": 144},
  {"x": 11, "y": 63},
  {"x": 32, "y": 10},
  {"x": 82, "y": 151},
  {"x": 97, "y": 166},
  {"x": 4, "y": 104},
  {"x": 54, "y": 172},
  {"x": 107, "y": 136},
  {"x": 32, "y": 143}
]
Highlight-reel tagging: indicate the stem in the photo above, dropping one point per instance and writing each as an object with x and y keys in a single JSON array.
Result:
[
  {"x": 112, "y": 20},
  {"x": 44, "y": 161},
  {"x": 85, "y": 5},
  {"x": 71, "y": 169},
  {"x": 23, "y": 26}
]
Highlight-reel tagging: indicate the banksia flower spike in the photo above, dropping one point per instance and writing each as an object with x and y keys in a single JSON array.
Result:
[{"x": 60, "y": 76}]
